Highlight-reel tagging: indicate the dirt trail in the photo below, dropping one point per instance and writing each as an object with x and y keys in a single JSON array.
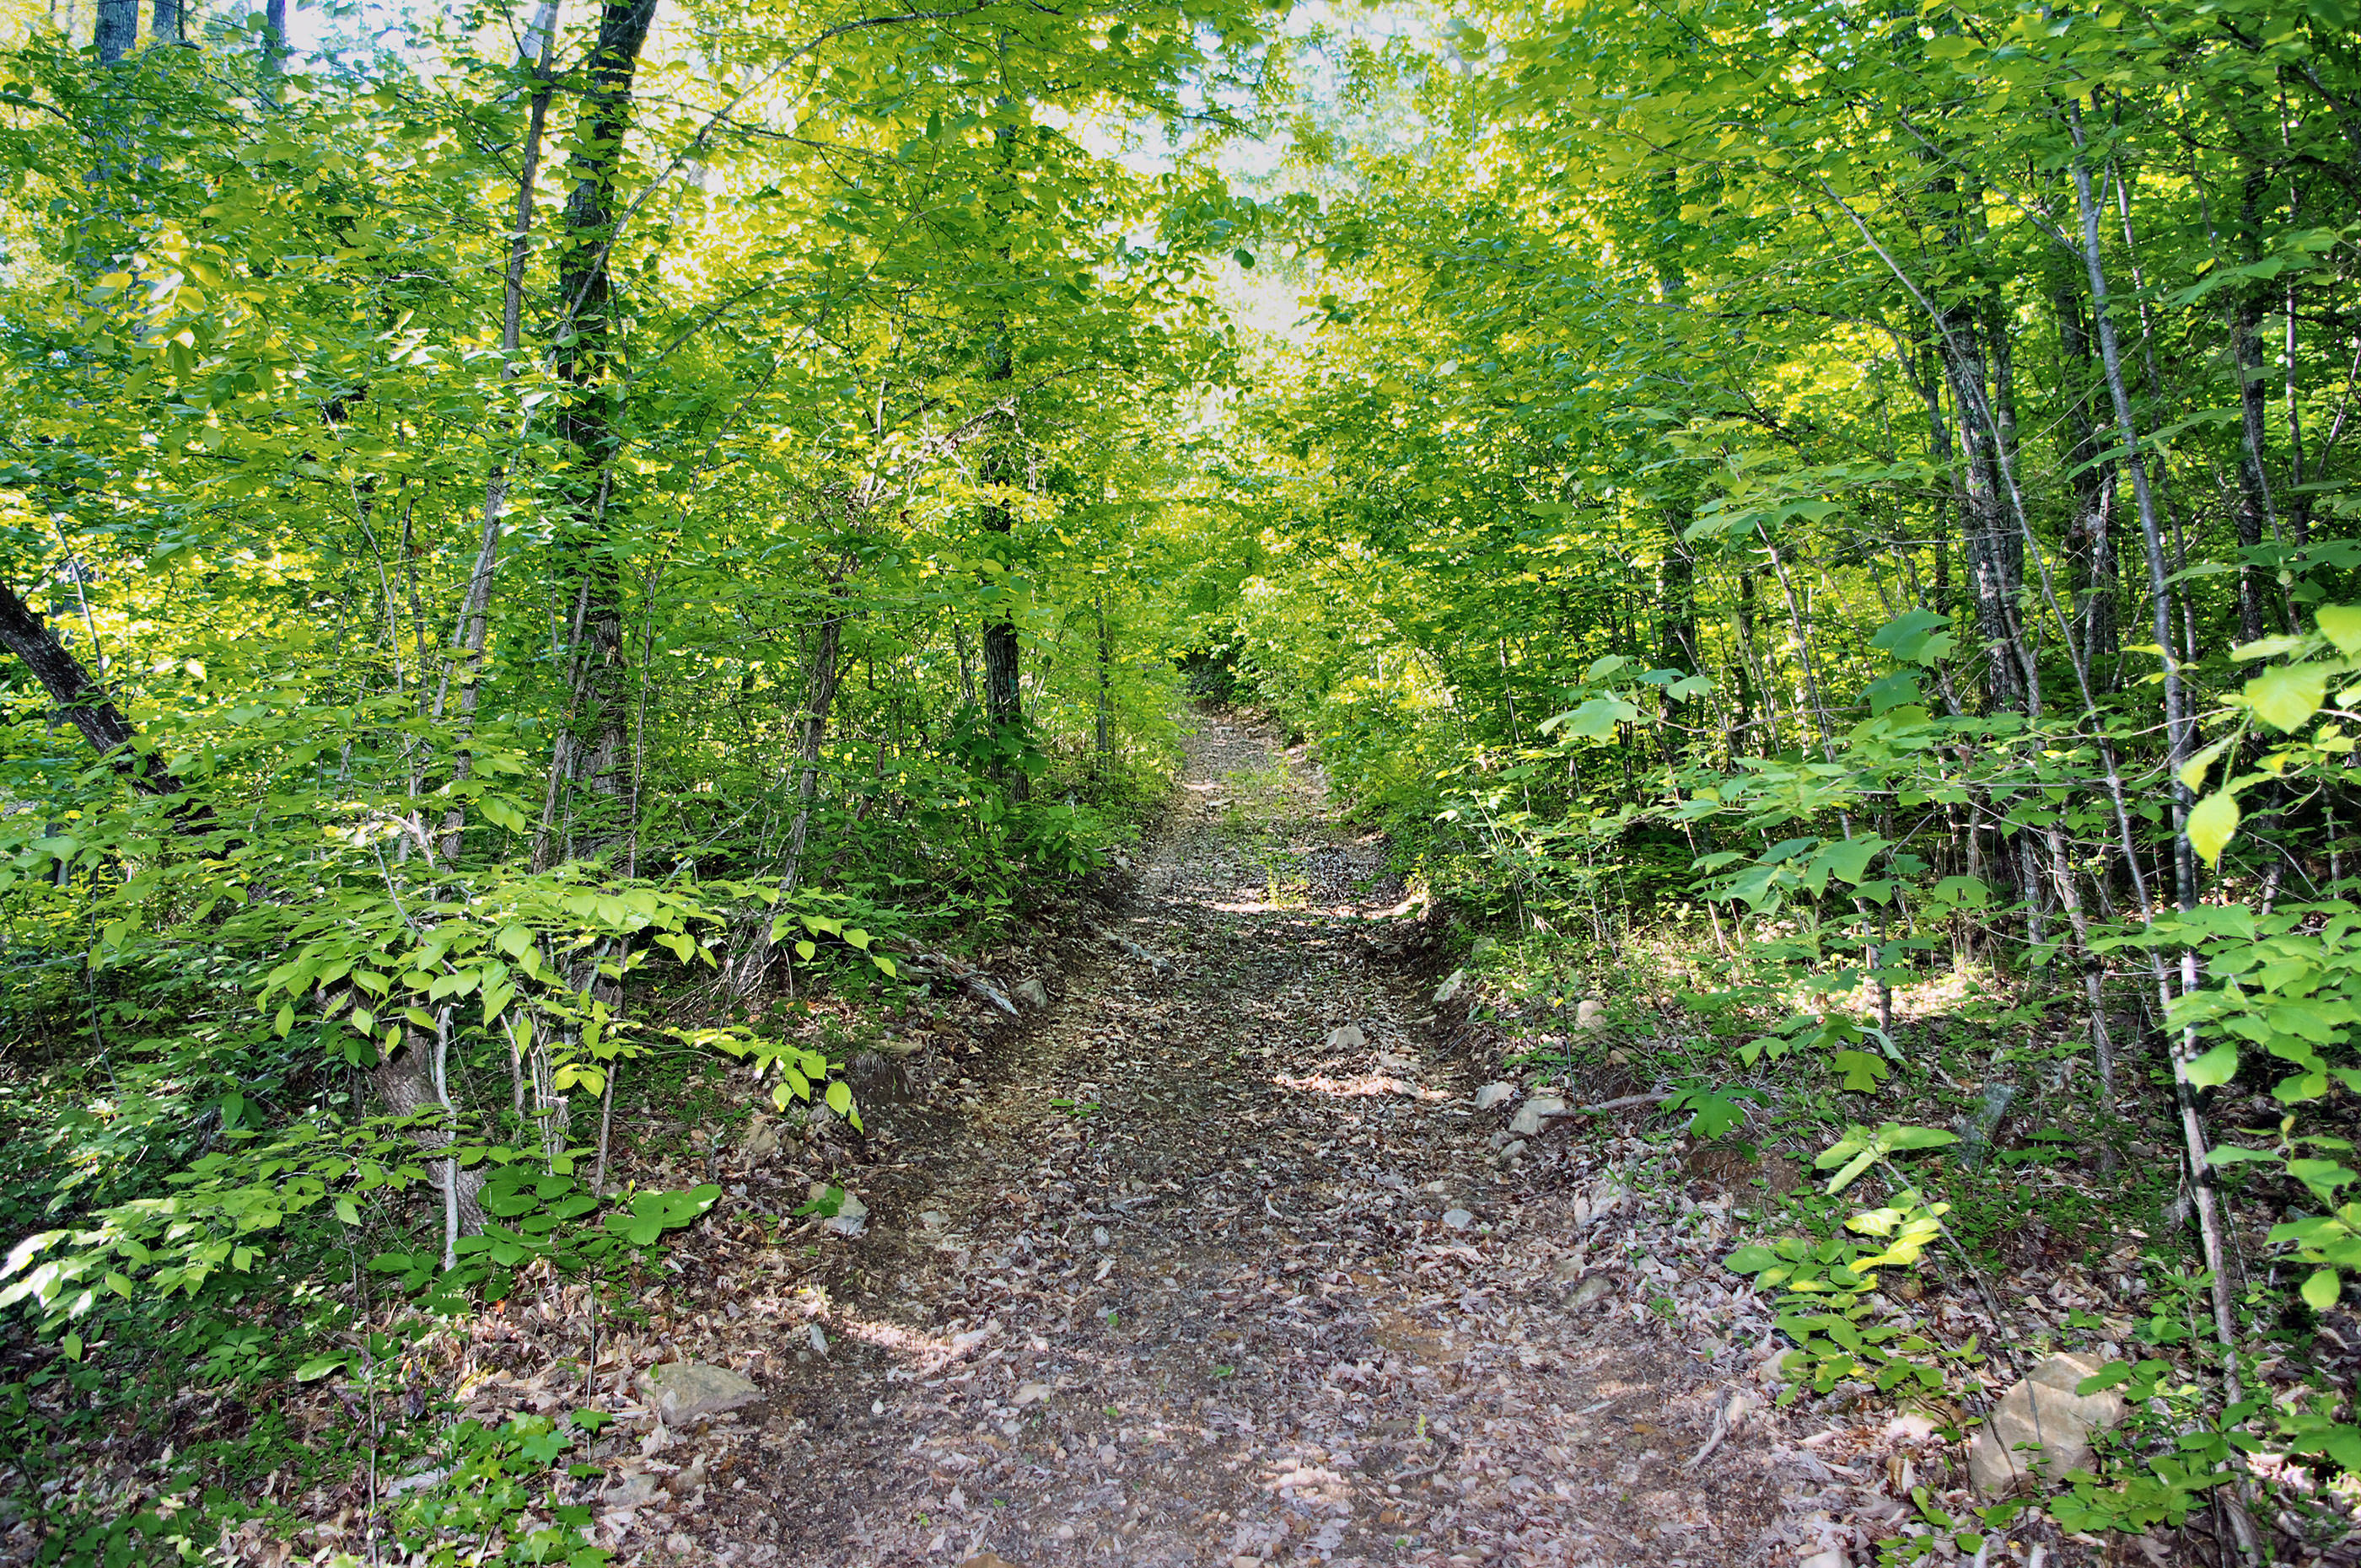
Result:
[{"x": 1194, "y": 1279}]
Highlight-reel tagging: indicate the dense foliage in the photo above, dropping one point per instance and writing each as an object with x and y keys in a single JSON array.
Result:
[{"x": 532, "y": 536}]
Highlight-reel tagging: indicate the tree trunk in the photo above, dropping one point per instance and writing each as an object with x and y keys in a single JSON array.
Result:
[
  {"x": 819, "y": 694},
  {"x": 2091, "y": 584},
  {"x": 475, "y": 615},
  {"x": 2178, "y": 730},
  {"x": 1003, "y": 701},
  {"x": 2255, "y": 516},
  {"x": 82, "y": 700},
  {"x": 585, "y": 334},
  {"x": 117, "y": 31}
]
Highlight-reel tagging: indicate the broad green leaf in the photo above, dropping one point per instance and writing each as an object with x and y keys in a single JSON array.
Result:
[
  {"x": 2341, "y": 624},
  {"x": 2320, "y": 1290},
  {"x": 2216, "y": 1067}
]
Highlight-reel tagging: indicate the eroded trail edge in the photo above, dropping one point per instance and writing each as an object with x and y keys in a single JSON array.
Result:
[{"x": 1219, "y": 1264}]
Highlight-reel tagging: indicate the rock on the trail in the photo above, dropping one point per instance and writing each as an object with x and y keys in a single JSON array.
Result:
[
  {"x": 1452, "y": 985},
  {"x": 1592, "y": 1290},
  {"x": 2041, "y": 1409},
  {"x": 761, "y": 1140},
  {"x": 1347, "y": 1038},
  {"x": 1031, "y": 994},
  {"x": 988, "y": 1559},
  {"x": 850, "y": 1219},
  {"x": 1534, "y": 1113},
  {"x": 1493, "y": 1095},
  {"x": 1591, "y": 1015},
  {"x": 1457, "y": 1219},
  {"x": 685, "y": 1391}
]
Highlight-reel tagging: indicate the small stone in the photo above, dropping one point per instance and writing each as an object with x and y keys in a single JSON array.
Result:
[
  {"x": 685, "y": 1390},
  {"x": 2041, "y": 1409},
  {"x": 1243, "y": 1561},
  {"x": 935, "y": 1219},
  {"x": 818, "y": 1338},
  {"x": 1494, "y": 1095},
  {"x": 988, "y": 1559},
  {"x": 1591, "y": 1015},
  {"x": 762, "y": 1140},
  {"x": 1027, "y": 1393},
  {"x": 1565, "y": 1270},
  {"x": 1031, "y": 994},
  {"x": 1457, "y": 1219},
  {"x": 850, "y": 1219},
  {"x": 1347, "y": 1038},
  {"x": 1831, "y": 1558},
  {"x": 1064, "y": 1532},
  {"x": 637, "y": 1491},
  {"x": 1592, "y": 1290},
  {"x": 1452, "y": 986},
  {"x": 1532, "y": 1115},
  {"x": 1512, "y": 1148}
]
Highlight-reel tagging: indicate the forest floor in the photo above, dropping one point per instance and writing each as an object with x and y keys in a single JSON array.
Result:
[{"x": 1219, "y": 1263}]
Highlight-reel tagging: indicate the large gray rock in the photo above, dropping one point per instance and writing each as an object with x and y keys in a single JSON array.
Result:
[
  {"x": 1494, "y": 1094},
  {"x": 1452, "y": 985},
  {"x": 1534, "y": 1114},
  {"x": 1347, "y": 1038},
  {"x": 2042, "y": 1409},
  {"x": 1591, "y": 1015},
  {"x": 687, "y": 1390},
  {"x": 1032, "y": 993}
]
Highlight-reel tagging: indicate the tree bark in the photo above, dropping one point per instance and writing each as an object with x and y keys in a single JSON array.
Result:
[
  {"x": 587, "y": 423},
  {"x": 1003, "y": 700},
  {"x": 117, "y": 31},
  {"x": 474, "y": 620},
  {"x": 2178, "y": 728},
  {"x": 81, "y": 697}
]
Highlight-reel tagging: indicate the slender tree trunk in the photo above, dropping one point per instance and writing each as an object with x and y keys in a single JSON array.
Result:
[
  {"x": 2254, "y": 512},
  {"x": 2092, "y": 588},
  {"x": 811, "y": 728},
  {"x": 2178, "y": 735},
  {"x": 475, "y": 617}
]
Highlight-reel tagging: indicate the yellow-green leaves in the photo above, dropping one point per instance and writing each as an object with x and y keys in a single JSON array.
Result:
[
  {"x": 2320, "y": 1291},
  {"x": 2287, "y": 696},
  {"x": 2341, "y": 624},
  {"x": 2212, "y": 824},
  {"x": 2216, "y": 1067}
]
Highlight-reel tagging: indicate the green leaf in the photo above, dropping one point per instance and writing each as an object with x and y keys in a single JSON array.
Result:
[
  {"x": 1750, "y": 1260},
  {"x": 2320, "y": 1291},
  {"x": 840, "y": 1098},
  {"x": 2216, "y": 1067},
  {"x": 2211, "y": 823},
  {"x": 2341, "y": 624},
  {"x": 2286, "y": 697},
  {"x": 319, "y": 1366},
  {"x": 1862, "y": 1072}
]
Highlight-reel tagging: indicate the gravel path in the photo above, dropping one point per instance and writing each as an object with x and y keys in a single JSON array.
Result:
[{"x": 1218, "y": 1264}]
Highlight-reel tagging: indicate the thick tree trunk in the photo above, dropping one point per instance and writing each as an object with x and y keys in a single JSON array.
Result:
[
  {"x": 117, "y": 31},
  {"x": 598, "y": 758},
  {"x": 1002, "y": 698}
]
